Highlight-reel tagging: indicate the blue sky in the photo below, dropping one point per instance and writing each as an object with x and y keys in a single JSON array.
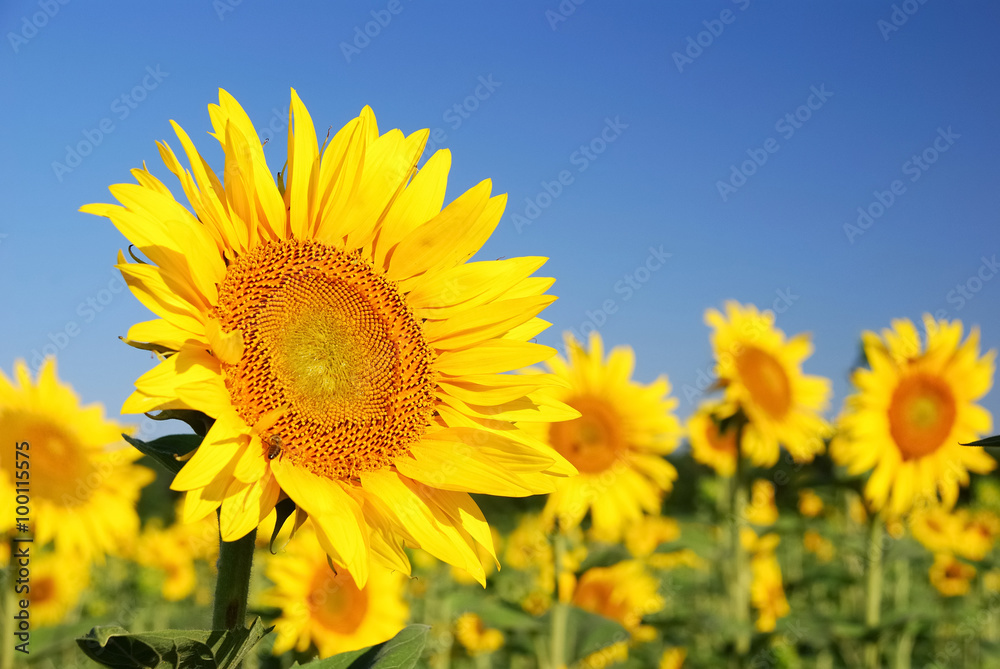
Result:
[{"x": 665, "y": 156}]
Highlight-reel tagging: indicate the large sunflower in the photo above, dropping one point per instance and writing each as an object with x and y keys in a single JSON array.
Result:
[
  {"x": 617, "y": 444},
  {"x": 77, "y": 476},
  {"x": 762, "y": 375},
  {"x": 327, "y": 608},
  {"x": 330, "y": 324},
  {"x": 914, "y": 408}
]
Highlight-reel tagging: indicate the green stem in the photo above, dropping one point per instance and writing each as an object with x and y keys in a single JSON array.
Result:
[
  {"x": 560, "y": 612},
  {"x": 233, "y": 585},
  {"x": 739, "y": 592},
  {"x": 873, "y": 589},
  {"x": 9, "y": 599}
]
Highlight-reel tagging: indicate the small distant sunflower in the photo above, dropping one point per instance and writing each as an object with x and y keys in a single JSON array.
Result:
[
  {"x": 624, "y": 592},
  {"x": 83, "y": 482},
  {"x": 353, "y": 360},
  {"x": 673, "y": 658},
  {"x": 914, "y": 408},
  {"x": 617, "y": 444},
  {"x": 56, "y": 583},
  {"x": 174, "y": 550},
  {"x": 761, "y": 509},
  {"x": 646, "y": 536},
  {"x": 767, "y": 594},
  {"x": 936, "y": 528},
  {"x": 327, "y": 608},
  {"x": 762, "y": 376},
  {"x": 475, "y": 637},
  {"x": 708, "y": 446},
  {"x": 979, "y": 533},
  {"x": 950, "y": 576},
  {"x": 820, "y": 546},
  {"x": 810, "y": 504}
]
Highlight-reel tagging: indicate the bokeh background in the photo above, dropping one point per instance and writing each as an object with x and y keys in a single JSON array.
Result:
[{"x": 648, "y": 111}]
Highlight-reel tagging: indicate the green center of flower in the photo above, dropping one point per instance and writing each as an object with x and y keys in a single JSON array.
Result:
[
  {"x": 330, "y": 348},
  {"x": 921, "y": 415},
  {"x": 766, "y": 380}
]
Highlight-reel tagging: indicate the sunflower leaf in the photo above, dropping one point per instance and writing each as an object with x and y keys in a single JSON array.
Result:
[
  {"x": 166, "y": 450},
  {"x": 588, "y": 633},
  {"x": 400, "y": 652},
  {"x": 116, "y": 647},
  {"x": 988, "y": 441}
]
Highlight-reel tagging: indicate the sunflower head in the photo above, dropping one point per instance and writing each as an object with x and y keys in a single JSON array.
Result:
[
  {"x": 617, "y": 443},
  {"x": 84, "y": 483},
  {"x": 914, "y": 407},
  {"x": 350, "y": 356},
  {"x": 767, "y": 594},
  {"x": 950, "y": 576},
  {"x": 711, "y": 444},
  {"x": 762, "y": 375}
]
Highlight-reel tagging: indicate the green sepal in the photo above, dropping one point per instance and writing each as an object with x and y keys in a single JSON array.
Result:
[
  {"x": 283, "y": 511},
  {"x": 400, "y": 652},
  {"x": 167, "y": 450},
  {"x": 196, "y": 420},
  {"x": 115, "y": 647},
  {"x": 988, "y": 441}
]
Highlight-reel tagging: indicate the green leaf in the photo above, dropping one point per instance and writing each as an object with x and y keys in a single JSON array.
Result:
[
  {"x": 115, "y": 647},
  {"x": 400, "y": 652},
  {"x": 166, "y": 450},
  {"x": 587, "y": 633},
  {"x": 196, "y": 420},
  {"x": 988, "y": 441}
]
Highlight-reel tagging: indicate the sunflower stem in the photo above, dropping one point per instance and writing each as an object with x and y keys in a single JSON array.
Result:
[
  {"x": 560, "y": 612},
  {"x": 873, "y": 589},
  {"x": 739, "y": 586},
  {"x": 9, "y": 599},
  {"x": 233, "y": 585}
]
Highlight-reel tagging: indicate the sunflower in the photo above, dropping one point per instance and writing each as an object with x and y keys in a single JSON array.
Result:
[
  {"x": 766, "y": 591},
  {"x": 326, "y": 607},
  {"x": 936, "y": 528},
  {"x": 646, "y": 536},
  {"x": 352, "y": 360},
  {"x": 762, "y": 376},
  {"x": 914, "y": 408},
  {"x": 673, "y": 658},
  {"x": 82, "y": 482},
  {"x": 816, "y": 543},
  {"x": 174, "y": 550},
  {"x": 810, "y": 504},
  {"x": 56, "y": 583},
  {"x": 624, "y": 592},
  {"x": 951, "y": 576},
  {"x": 708, "y": 445},
  {"x": 617, "y": 444},
  {"x": 761, "y": 510},
  {"x": 475, "y": 637}
]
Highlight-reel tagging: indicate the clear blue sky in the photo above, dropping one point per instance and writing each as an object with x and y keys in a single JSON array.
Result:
[{"x": 677, "y": 125}]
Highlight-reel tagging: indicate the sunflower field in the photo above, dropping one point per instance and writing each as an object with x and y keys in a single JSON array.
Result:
[{"x": 370, "y": 461}]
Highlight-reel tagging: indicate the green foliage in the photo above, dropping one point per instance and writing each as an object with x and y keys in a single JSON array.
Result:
[
  {"x": 115, "y": 647},
  {"x": 167, "y": 450},
  {"x": 400, "y": 652}
]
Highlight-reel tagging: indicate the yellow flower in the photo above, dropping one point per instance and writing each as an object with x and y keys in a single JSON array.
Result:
[
  {"x": 810, "y": 504},
  {"x": 327, "y": 608},
  {"x": 758, "y": 545},
  {"x": 476, "y": 638},
  {"x": 351, "y": 357},
  {"x": 762, "y": 375},
  {"x": 70, "y": 463},
  {"x": 978, "y": 535},
  {"x": 57, "y": 580},
  {"x": 950, "y": 576},
  {"x": 761, "y": 509},
  {"x": 624, "y": 592},
  {"x": 766, "y": 591},
  {"x": 609, "y": 656},
  {"x": 685, "y": 557},
  {"x": 529, "y": 548},
  {"x": 617, "y": 443},
  {"x": 816, "y": 543},
  {"x": 175, "y": 549},
  {"x": 913, "y": 410},
  {"x": 937, "y": 528},
  {"x": 645, "y": 536},
  {"x": 673, "y": 658},
  {"x": 708, "y": 447}
]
